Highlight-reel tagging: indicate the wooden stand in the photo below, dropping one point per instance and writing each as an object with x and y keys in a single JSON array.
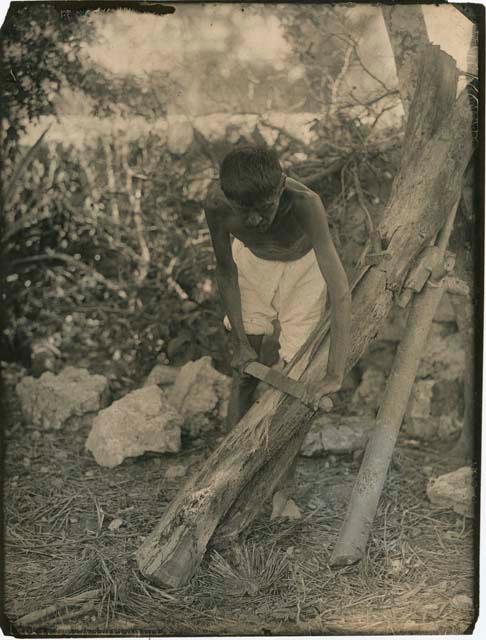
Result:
[{"x": 353, "y": 538}]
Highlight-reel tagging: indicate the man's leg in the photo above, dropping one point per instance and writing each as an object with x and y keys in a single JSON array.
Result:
[
  {"x": 242, "y": 390},
  {"x": 302, "y": 298}
]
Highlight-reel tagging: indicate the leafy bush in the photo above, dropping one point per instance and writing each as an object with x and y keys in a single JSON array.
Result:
[
  {"x": 107, "y": 245},
  {"x": 107, "y": 227}
]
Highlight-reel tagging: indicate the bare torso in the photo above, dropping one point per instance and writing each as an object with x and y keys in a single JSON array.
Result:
[{"x": 284, "y": 240}]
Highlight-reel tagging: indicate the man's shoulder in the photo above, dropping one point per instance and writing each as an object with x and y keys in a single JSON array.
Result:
[
  {"x": 305, "y": 201},
  {"x": 300, "y": 191},
  {"x": 215, "y": 200}
]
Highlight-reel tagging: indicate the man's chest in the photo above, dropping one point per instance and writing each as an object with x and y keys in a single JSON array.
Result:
[{"x": 285, "y": 230}]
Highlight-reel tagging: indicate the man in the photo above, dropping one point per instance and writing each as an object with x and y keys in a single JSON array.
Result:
[{"x": 281, "y": 265}]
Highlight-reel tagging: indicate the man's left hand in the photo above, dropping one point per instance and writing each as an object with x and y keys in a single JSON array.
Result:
[{"x": 317, "y": 390}]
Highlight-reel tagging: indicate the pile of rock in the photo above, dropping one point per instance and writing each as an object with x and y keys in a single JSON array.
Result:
[
  {"x": 141, "y": 421},
  {"x": 51, "y": 400},
  {"x": 172, "y": 402},
  {"x": 190, "y": 400}
]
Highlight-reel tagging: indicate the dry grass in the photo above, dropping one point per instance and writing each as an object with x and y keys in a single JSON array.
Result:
[{"x": 58, "y": 546}]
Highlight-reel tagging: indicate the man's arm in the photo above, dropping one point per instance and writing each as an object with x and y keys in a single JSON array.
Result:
[
  {"x": 227, "y": 279},
  {"x": 316, "y": 225}
]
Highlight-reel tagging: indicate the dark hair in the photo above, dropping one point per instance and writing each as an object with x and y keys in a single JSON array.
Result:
[{"x": 250, "y": 174}]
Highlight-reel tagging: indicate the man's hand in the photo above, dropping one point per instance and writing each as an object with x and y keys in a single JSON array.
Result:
[
  {"x": 317, "y": 390},
  {"x": 244, "y": 353}
]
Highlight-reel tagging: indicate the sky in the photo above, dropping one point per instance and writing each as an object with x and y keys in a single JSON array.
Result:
[{"x": 137, "y": 43}]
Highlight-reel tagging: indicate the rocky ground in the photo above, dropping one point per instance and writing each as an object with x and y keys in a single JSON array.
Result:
[{"x": 88, "y": 474}]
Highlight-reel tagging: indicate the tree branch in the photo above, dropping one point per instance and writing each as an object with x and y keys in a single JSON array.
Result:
[{"x": 63, "y": 257}]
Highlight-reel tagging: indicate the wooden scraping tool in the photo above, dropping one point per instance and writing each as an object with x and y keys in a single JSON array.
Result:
[{"x": 283, "y": 383}]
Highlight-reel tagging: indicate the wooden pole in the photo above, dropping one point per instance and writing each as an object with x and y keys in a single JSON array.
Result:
[{"x": 368, "y": 487}]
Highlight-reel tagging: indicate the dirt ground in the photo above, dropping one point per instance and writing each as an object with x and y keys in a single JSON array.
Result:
[{"x": 71, "y": 529}]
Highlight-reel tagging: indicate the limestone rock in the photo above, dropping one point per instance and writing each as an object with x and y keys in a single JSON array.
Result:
[
  {"x": 449, "y": 426},
  {"x": 50, "y": 400},
  {"x": 161, "y": 375},
  {"x": 380, "y": 356},
  {"x": 445, "y": 311},
  {"x": 454, "y": 490},
  {"x": 418, "y": 421},
  {"x": 425, "y": 428},
  {"x": 368, "y": 396},
  {"x": 462, "y": 601},
  {"x": 448, "y": 398},
  {"x": 200, "y": 389},
  {"x": 444, "y": 355},
  {"x": 333, "y": 433},
  {"x": 284, "y": 507},
  {"x": 175, "y": 471},
  {"x": 420, "y": 400},
  {"x": 433, "y": 409},
  {"x": 115, "y": 524},
  {"x": 141, "y": 421}
]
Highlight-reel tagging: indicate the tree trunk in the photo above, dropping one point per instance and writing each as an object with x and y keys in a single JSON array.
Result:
[
  {"x": 408, "y": 36},
  {"x": 425, "y": 193}
]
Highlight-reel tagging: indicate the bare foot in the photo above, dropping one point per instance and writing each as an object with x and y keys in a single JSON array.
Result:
[{"x": 284, "y": 507}]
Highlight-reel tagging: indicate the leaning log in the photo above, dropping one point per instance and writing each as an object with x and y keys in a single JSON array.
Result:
[
  {"x": 426, "y": 191},
  {"x": 408, "y": 36}
]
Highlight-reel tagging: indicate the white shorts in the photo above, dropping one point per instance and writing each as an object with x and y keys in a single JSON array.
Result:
[{"x": 294, "y": 292}]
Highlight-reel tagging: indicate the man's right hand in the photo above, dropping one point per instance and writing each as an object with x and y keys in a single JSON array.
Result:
[{"x": 244, "y": 353}]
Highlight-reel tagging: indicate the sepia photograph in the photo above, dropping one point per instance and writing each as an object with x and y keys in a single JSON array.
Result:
[{"x": 241, "y": 318}]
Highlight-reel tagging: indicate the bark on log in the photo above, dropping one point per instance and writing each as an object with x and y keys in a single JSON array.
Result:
[
  {"x": 408, "y": 36},
  {"x": 417, "y": 210}
]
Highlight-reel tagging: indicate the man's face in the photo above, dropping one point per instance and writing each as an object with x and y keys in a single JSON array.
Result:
[{"x": 260, "y": 215}]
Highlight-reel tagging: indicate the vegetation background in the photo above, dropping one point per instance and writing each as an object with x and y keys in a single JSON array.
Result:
[{"x": 113, "y": 126}]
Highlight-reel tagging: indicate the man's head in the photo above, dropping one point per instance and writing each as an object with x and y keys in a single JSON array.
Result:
[{"x": 252, "y": 181}]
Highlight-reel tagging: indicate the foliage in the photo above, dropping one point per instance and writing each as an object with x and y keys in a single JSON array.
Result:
[
  {"x": 106, "y": 243},
  {"x": 126, "y": 95},
  {"x": 326, "y": 42},
  {"x": 76, "y": 241},
  {"x": 41, "y": 46},
  {"x": 107, "y": 249}
]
